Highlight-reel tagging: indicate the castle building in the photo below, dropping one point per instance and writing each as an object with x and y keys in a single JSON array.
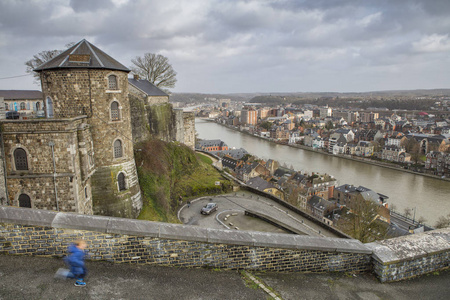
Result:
[{"x": 80, "y": 157}]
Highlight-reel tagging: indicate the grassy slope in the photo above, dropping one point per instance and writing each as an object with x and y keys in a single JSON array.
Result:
[{"x": 168, "y": 170}]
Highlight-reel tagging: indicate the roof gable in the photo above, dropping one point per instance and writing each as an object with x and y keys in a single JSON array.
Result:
[
  {"x": 147, "y": 87},
  {"x": 82, "y": 55}
]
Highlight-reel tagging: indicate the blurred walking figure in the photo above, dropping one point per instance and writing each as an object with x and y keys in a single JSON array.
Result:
[
  {"x": 189, "y": 203},
  {"x": 75, "y": 261}
]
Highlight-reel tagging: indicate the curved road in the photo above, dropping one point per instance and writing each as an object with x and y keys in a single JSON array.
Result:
[{"x": 237, "y": 203}]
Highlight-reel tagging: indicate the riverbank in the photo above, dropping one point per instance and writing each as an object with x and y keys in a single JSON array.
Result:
[{"x": 356, "y": 159}]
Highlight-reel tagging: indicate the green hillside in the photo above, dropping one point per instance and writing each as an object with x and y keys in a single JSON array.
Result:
[{"x": 168, "y": 170}]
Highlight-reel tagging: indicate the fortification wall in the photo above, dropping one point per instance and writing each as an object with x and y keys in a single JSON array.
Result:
[
  {"x": 412, "y": 255},
  {"x": 45, "y": 233},
  {"x": 53, "y": 179},
  {"x": 108, "y": 199},
  {"x": 178, "y": 125},
  {"x": 189, "y": 129}
]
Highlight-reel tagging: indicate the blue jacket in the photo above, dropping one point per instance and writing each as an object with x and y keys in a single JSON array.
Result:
[{"x": 75, "y": 260}]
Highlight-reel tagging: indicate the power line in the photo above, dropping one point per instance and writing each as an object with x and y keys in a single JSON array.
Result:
[{"x": 15, "y": 76}]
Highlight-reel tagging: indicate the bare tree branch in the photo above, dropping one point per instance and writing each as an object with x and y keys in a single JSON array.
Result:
[
  {"x": 156, "y": 69},
  {"x": 41, "y": 58}
]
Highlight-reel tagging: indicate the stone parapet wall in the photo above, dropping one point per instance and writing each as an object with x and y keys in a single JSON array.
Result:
[
  {"x": 155, "y": 100},
  {"x": 410, "y": 256},
  {"x": 45, "y": 233},
  {"x": 189, "y": 129}
]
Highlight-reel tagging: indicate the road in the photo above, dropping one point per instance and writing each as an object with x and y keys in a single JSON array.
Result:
[{"x": 238, "y": 203}]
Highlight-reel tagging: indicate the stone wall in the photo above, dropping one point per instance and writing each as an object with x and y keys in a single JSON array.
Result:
[
  {"x": 178, "y": 124},
  {"x": 189, "y": 129},
  {"x": 45, "y": 233},
  {"x": 412, "y": 255},
  {"x": 108, "y": 200},
  {"x": 139, "y": 121},
  {"x": 155, "y": 116},
  {"x": 48, "y": 188}
]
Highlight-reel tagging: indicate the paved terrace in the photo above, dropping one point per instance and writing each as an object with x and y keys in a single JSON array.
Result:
[{"x": 24, "y": 277}]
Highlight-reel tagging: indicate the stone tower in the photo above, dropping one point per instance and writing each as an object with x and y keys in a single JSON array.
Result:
[{"x": 85, "y": 81}]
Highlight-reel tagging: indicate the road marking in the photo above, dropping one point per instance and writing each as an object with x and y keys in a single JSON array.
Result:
[{"x": 261, "y": 285}]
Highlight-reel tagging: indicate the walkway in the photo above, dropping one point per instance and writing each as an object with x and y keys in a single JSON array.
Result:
[{"x": 32, "y": 278}]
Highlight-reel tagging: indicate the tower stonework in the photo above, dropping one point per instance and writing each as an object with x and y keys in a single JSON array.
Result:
[{"x": 87, "y": 118}]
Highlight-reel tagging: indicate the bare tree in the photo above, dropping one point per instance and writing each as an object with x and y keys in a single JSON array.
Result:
[
  {"x": 41, "y": 58},
  {"x": 156, "y": 69},
  {"x": 407, "y": 212},
  {"x": 443, "y": 222},
  {"x": 361, "y": 222}
]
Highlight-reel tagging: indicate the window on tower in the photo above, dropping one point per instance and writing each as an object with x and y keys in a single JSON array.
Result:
[
  {"x": 112, "y": 82},
  {"x": 115, "y": 114},
  {"x": 118, "y": 149}
]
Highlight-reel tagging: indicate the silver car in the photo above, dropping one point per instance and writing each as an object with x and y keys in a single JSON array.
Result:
[{"x": 208, "y": 208}]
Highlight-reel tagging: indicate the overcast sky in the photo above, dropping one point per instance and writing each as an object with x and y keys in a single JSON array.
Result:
[{"x": 223, "y": 46}]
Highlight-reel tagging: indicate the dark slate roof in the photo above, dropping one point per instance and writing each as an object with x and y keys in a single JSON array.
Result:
[
  {"x": 20, "y": 94},
  {"x": 235, "y": 153},
  {"x": 319, "y": 202},
  {"x": 211, "y": 143},
  {"x": 147, "y": 87},
  {"x": 259, "y": 183},
  {"x": 74, "y": 57},
  {"x": 280, "y": 172},
  {"x": 346, "y": 188}
]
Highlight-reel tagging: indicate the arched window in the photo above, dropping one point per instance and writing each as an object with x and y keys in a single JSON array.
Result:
[
  {"x": 49, "y": 108},
  {"x": 24, "y": 201},
  {"x": 22, "y": 105},
  {"x": 115, "y": 111},
  {"x": 112, "y": 82},
  {"x": 20, "y": 159},
  {"x": 117, "y": 149},
  {"x": 121, "y": 181}
]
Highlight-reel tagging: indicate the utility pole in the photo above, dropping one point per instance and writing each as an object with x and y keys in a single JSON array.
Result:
[{"x": 52, "y": 144}]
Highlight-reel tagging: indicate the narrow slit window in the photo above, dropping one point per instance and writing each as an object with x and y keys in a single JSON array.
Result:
[
  {"x": 121, "y": 181},
  {"x": 115, "y": 116},
  {"x": 112, "y": 82},
  {"x": 118, "y": 149}
]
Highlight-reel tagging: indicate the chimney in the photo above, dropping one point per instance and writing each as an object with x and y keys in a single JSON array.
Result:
[{"x": 136, "y": 76}]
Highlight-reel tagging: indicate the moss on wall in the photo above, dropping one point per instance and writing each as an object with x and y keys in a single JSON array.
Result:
[
  {"x": 106, "y": 197},
  {"x": 161, "y": 121}
]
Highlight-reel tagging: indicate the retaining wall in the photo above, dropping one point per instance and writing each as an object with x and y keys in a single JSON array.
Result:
[
  {"x": 46, "y": 233},
  {"x": 412, "y": 255}
]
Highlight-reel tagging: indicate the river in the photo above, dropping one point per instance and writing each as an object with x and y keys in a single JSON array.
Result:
[{"x": 428, "y": 196}]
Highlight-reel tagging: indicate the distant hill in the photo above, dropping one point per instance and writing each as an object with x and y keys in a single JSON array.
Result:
[{"x": 279, "y": 97}]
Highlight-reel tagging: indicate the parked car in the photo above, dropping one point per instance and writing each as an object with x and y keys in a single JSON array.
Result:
[
  {"x": 12, "y": 114},
  {"x": 208, "y": 208}
]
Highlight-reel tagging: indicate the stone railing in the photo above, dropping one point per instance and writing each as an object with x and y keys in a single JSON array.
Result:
[
  {"x": 46, "y": 233},
  {"x": 412, "y": 255}
]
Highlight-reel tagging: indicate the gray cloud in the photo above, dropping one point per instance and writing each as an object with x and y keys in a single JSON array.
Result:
[{"x": 244, "y": 46}]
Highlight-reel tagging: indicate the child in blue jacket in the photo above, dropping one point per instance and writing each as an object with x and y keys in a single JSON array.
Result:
[{"x": 75, "y": 260}]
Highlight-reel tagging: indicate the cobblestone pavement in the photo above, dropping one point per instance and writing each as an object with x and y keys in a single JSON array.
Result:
[{"x": 24, "y": 277}]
